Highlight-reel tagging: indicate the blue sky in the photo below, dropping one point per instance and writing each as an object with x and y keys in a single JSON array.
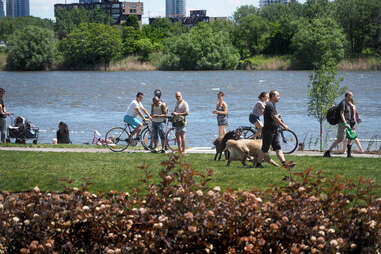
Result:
[{"x": 153, "y": 8}]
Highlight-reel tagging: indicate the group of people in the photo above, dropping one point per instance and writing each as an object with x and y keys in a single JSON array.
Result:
[
  {"x": 266, "y": 106},
  {"x": 158, "y": 115}
]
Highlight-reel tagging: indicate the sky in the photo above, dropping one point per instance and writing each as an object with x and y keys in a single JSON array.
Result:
[{"x": 153, "y": 8}]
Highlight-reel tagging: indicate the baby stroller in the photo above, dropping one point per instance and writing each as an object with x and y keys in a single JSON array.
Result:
[{"x": 21, "y": 130}]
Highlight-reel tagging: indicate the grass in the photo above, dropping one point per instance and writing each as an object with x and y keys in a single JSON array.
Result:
[
  {"x": 21, "y": 171},
  {"x": 261, "y": 62},
  {"x": 363, "y": 64}
]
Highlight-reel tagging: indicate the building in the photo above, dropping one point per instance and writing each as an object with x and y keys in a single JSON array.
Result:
[
  {"x": 175, "y": 8},
  {"x": 2, "y": 14},
  {"x": 133, "y": 8},
  {"x": 195, "y": 17},
  {"x": 18, "y": 8},
  {"x": 263, "y": 3},
  {"x": 119, "y": 11}
]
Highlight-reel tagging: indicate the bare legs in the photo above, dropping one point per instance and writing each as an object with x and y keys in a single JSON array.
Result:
[
  {"x": 221, "y": 131},
  {"x": 180, "y": 139}
]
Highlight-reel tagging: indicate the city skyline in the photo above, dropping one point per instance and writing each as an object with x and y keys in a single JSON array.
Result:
[
  {"x": 2, "y": 9},
  {"x": 17, "y": 8},
  {"x": 154, "y": 8}
]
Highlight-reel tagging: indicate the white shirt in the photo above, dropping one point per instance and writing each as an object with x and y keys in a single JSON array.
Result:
[{"x": 132, "y": 109}]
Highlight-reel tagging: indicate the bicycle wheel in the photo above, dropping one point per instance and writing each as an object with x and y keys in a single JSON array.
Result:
[
  {"x": 119, "y": 136},
  {"x": 146, "y": 138},
  {"x": 247, "y": 132},
  {"x": 288, "y": 141},
  {"x": 170, "y": 138}
]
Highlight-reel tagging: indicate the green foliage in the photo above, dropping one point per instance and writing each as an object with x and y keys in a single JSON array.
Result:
[
  {"x": 318, "y": 41},
  {"x": 360, "y": 20},
  {"x": 68, "y": 21},
  {"x": 315, "y": 9},
  {"x": 251, "y": 35},
  {"x": 32, "y": 48},
  {"x": 132, "y": 20},
  {"x": 9, "y": 24},
  {"x": 144, "y": 48},
  {"x": 91, "y": 44},
  {"x": 244, "y": 11},
  {"x": 130, "y": 36},
  {"x": 323, "y": 91},
  {"x": 201, "y": 49},
  {"x": 274, "y": 12}
]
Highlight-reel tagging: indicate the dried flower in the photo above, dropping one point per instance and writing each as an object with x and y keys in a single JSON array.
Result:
[
  {"x": 36, "y": 189},
  {"x": 217, "y": 188},
  {"x": 189, "y": 216},
  {"x": 192, "y": 229},
  {"x": 199, "y": 193},
  {"x": 333, "y": 243},
  {"x": 15, "y": 219},
  {"x": 85, "y": 208},
  {"x": 158, "y": 225}
]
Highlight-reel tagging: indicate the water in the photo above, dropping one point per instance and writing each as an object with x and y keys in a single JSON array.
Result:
[{"x": 89, "y": 101}]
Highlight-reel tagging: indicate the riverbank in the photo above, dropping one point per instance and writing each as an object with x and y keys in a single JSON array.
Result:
[{"x": 260, "y": 63}]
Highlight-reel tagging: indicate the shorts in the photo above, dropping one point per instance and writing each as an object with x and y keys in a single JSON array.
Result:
[
  {"x": 222, "y": 121},
  {"x": 180, "y": 130},
  {"x": 270, "y": 138},
  {"x": 340, "y": 131},
  {"x": 133, "y": 121},
  {"x": 158, "y": 130}
]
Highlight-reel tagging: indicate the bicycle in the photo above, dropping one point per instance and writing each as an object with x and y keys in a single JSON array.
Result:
[
  {"x": 121, "y": 140},
  {"x": 288, "y": 139}
]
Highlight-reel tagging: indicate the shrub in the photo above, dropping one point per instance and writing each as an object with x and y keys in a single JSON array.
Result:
[{"x": 311, "y": 214}]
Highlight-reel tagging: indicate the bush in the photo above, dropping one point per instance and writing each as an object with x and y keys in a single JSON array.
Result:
[
  {"x": 180, "y": 215},
  {"x": 32, "y": 48}
]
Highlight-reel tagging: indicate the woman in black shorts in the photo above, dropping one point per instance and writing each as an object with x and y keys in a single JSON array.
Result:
[{"x": 222, "y": 115}]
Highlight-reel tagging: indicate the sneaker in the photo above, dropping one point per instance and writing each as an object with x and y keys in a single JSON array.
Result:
[
  {"x": 154, "y": 150},
  {"x": 327, "y": 153},
  {"x": 162, "y": 151}
]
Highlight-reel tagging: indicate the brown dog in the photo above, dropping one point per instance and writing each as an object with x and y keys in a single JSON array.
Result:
[{"x": 244, "y": 149}]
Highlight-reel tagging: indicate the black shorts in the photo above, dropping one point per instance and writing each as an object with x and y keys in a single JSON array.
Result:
[{"x": 270, "y": 138}]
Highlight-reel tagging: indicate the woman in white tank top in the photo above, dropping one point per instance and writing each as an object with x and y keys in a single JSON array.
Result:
[{"x": 258, "y": 110}]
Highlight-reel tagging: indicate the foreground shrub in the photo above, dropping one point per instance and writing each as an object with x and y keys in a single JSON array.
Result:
[{"x": 180, "y": 215}]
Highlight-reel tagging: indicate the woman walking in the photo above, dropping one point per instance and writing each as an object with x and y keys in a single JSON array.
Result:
[
  {"x": 258, "y": 110},
  {"x": 222, "y": 115},
  {"x": 355, "y": 119}
]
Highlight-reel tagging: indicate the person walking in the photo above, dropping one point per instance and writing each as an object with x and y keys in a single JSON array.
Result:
[
  {"x": 222, "y": 115},
  {"x": 257, "y": 112},
  {"x": 356, "y": 120},
  {"x": 3, "y": 116},
  {"x": 270, "y": 135},
  {"x": 346, "y": 117},
  {"x": 136, "y": 108},
  {"x": 158, "y": 114},
  {"x": 179, "y": 121}
]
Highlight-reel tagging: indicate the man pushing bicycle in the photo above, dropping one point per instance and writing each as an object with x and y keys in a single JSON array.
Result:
[{"x": 135, "y": 108}]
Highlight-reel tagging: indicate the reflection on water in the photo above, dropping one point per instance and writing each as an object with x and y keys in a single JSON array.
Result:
[{"x": 89, "y": 101}]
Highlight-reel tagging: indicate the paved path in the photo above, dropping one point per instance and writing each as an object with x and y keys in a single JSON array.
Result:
[{"x": 194, "y": 150}]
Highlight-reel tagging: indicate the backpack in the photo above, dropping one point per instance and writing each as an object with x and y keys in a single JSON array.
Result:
[{"x": 333, "y": 115}]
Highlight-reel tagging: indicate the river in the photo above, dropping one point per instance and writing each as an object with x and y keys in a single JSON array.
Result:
[{"x": 89, "y": 101}]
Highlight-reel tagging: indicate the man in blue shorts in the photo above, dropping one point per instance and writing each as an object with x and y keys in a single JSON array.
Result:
[{"x": 135, "y": 108}]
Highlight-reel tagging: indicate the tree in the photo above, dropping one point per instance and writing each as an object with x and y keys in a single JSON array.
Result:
[
  {"x": 314, "y": 9},
  {"x": 7, "y": 27},
  {"x": 32, "y": 48},
  {"x": 201, "y": 49},
  {"x": 91, "y": 44},
  {"x": 144, "y": 47},
  {"x": 317, "y": 41},
  {"x": 361, "y": 21},
  {"x": 244, "y": 11},
  {"x": 130, "y": 36},
  {"x": 281, "y": 32},
  {"x": 132, "y": 20},
  {"x": 68, "y": 20},
  {"x": 251, "y": 35},
  {"x": 323, "y": 91}
]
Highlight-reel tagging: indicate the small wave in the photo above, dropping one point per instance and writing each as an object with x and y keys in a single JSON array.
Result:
[
  {"x": 261, "y": 81},
  {"x": 216, "y": 89}
]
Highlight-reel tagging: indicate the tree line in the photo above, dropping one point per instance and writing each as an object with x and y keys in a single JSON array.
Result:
[{"x": 306, "y": 33}]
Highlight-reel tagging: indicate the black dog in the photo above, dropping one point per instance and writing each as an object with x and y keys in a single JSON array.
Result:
[{"x": 221, "y": 144}]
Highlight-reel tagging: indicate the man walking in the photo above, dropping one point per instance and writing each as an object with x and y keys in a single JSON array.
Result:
[
  {"x": 3, "y": 116},
  {"x": 179, "y": 115},
  {"x": 270, "y": 135},
  {"x": 346, "y": 116}
]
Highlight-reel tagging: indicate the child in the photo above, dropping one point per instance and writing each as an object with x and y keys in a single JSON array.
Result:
[{"x": 258, "y": 110}]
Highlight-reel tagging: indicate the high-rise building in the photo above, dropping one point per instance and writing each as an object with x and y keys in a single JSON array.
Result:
[
  {"x": 17, "y": 8},
  {"x": 175, "y": 8},
  {"x": 2, "y": 8},
  {"x": 263, "y": 3}
]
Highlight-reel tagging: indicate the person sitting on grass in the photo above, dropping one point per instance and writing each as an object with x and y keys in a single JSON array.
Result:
[{"x": 63, "y": 136}]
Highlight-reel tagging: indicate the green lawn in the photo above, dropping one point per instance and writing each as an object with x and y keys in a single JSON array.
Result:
[{"x": 21, "y": 171}]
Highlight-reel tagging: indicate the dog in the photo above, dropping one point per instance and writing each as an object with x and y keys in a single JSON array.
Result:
[
  {"x": 244, "y": 149},
  {"x": 221, "y": 143}
]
